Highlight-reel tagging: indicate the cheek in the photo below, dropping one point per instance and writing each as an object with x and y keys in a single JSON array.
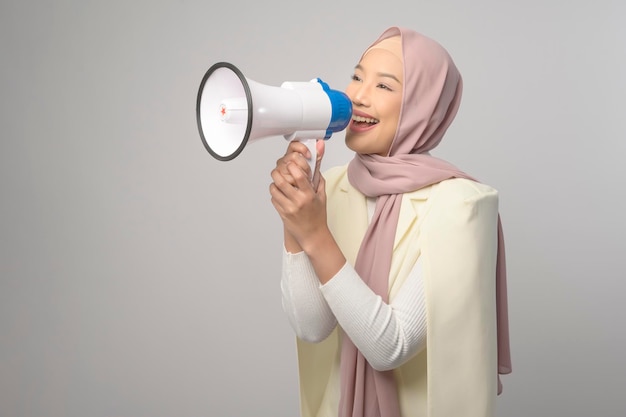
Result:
[
  {"x": 387, "y": 139},
  {"x": 394, "y": 106},
  {"x": 390, "y": 130},
  {"x": 350, "y": 92},
  {"x": 394, "y": 115}
]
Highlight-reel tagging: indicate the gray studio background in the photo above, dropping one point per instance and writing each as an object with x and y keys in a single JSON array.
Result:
[{"x": 139, "y": 276}]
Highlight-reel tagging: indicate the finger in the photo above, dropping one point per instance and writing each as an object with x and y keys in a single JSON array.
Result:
[
  {"x": 294, "y": 149},
  {"x": 299, "y": 147},
  {"x": 320, "y": 146},
  {"x": 321, "y": 188},
  {"x": 278, "y": 199},
  {"x": 284, "y": 172},
  {"x": 295, "y": 158},
  {"x": 286, "y": 186},
  {"x": 298, "y": 159},
  {"x": 301, "y": 178}
]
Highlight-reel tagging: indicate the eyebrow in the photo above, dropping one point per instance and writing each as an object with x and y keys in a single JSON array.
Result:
[{"x": 381, "y": 74}]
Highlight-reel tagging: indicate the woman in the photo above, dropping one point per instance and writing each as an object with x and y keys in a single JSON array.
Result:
[{"x": 393, "y": 271}]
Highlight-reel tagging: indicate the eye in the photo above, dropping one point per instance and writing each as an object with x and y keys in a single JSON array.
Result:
[
  {"x": 384, "y": 87},
  {"x": 355, "y": 77}
]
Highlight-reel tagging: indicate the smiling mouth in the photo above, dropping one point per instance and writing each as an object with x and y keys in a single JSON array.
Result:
[{"x": 364, "y": 121}]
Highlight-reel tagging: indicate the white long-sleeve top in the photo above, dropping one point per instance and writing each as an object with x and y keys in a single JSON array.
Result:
[{"x": 387, "y": 334}]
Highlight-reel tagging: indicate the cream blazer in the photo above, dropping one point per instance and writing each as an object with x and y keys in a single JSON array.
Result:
[{"x": 452, "y": 226}]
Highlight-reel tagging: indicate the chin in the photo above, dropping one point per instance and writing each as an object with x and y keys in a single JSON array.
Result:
[
  {"x": 353, "y": 145},
  {"x": 359, "y": 146}
]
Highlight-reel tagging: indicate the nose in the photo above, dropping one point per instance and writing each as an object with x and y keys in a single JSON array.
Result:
[{"x": 360, "y": 95}]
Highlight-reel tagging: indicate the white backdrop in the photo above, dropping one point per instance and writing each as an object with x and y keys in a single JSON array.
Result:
[{"x": 139, "y": 276}]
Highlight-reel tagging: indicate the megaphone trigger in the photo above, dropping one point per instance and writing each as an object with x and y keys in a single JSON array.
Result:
[{"x": 311, "y": 144}]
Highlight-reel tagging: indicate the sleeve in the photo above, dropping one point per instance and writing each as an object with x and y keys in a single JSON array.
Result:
[
  {"x": 387, "y": 335},
  {"x": 307, "y": 311}
]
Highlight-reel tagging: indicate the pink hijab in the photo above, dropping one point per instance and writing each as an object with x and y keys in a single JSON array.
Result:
[{"x": 431, "y": 98}]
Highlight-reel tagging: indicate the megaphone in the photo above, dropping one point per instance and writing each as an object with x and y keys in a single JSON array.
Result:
[{"x": 233, "y": 111}]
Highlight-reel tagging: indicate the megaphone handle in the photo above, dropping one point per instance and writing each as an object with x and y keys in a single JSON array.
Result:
[{"x": 311, "y": 144}]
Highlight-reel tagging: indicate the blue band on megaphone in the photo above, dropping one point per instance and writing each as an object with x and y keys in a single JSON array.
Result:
[{"x": 341, "y": 109}]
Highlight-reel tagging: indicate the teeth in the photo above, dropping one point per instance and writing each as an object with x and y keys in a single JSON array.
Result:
[{"x": 364, "y": 119}]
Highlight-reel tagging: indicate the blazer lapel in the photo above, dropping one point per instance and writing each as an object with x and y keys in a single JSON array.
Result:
[
  {"x": 348, "y": 214},
  {"x": 412, "y": 209}
]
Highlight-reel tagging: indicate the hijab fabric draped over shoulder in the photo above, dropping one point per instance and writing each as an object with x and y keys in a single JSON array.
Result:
[{"x": 432, "y": 91}]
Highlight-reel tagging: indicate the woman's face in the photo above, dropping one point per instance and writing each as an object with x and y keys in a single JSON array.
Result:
[{"x": 376, "y": 94}]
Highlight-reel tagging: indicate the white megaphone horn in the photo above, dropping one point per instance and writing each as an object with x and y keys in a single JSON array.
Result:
[{"x": 233, "y": 111}]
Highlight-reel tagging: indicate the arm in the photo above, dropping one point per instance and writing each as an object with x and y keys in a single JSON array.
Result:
[
  {"x": 302, "y": 208},
  {"x": 307, "y": 311},
  {"x": 387, "y": 335}
]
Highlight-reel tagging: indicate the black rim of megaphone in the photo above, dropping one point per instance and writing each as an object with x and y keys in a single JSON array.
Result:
[{"x": 246, "y": 88}]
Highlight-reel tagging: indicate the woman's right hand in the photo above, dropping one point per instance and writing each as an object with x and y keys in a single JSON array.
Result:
[
  {"x": 299, "y": 154},
  {"x": 299, "y": 200},
  {"x": 301, "y": 205}
]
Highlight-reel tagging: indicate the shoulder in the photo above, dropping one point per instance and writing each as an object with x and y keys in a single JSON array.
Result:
[
  {"x": 463, "y": 190},
  {"x": 456, "y": 201}
]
